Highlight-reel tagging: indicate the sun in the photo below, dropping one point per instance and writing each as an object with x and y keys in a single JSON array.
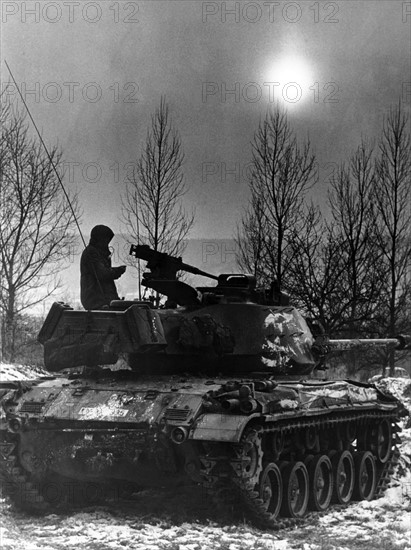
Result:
[{"x": 290, "y": 80}]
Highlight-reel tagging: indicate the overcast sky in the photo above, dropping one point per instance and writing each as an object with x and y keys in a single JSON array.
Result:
[{"x": 96, "y": 71}]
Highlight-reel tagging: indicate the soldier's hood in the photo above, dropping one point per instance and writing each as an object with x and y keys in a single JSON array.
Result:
[{"x": 101, "y": 234}]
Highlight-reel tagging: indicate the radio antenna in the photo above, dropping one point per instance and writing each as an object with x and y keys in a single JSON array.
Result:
[{"x": 48, "y": 155}]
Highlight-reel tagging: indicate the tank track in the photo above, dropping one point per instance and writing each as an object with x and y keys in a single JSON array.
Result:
[
  {"x": 33, "y": 495},
  {"x": 227, "y": 476},
  {"x": 15, "y": 481},
  {"x": 240, "y": 488},
  {"x": 387, "y": 471}
]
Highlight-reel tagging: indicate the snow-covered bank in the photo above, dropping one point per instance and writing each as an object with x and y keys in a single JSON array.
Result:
[{"x": 10, "y": 372}]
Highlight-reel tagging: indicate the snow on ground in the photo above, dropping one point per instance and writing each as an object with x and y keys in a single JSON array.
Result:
[
  {"x": 10, "y": 373},
  {"x": 159, "y": 521}
]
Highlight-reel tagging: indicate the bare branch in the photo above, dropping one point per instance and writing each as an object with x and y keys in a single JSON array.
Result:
[{"x": 36, "y": 228}]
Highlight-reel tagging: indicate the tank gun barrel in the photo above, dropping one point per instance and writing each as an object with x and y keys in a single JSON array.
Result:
[
  {"x": 163, "y": 265},
  {"x": 399, "y": 342}
]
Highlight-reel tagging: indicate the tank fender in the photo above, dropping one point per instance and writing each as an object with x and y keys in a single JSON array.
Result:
[{"x": 220, "y": 427}]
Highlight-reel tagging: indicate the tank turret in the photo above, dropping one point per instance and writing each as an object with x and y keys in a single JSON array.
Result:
[
  {"x": 211, "y": 388},
  {"x": 229, "y": 327}
]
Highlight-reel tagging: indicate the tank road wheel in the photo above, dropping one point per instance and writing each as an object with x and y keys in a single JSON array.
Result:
[
  {"x": 383, "y": 443},
  {"x": 271, "y": 489},
  {"x": 295, "y": 494},
  {"x": 260, "y": 490},
  {"x": 320, "y": 472},
  {"x": 378, "y": 439},
  {"x": 365, "y": 476},
  {"x": 251, "y": 455},
  {"x": 344, "y": 477}
]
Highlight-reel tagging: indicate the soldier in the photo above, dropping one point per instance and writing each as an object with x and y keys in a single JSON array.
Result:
[{"x": 97, "y": 275}]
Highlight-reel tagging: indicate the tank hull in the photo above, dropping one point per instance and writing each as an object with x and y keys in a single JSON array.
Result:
[{"x": 235, "y": 435}]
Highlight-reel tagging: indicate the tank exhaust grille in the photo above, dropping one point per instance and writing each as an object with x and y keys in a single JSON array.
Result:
[
  {"x": 177, "y": 415},
  {"x": 32, "y": 407}
]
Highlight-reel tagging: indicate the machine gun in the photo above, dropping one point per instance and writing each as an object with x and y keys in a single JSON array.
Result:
[
  {"x": 163, "y": 274},
  {"x": 164, "y": 266}
]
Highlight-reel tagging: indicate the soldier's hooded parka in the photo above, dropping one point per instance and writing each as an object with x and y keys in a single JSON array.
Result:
[{"x": 97, "y": 275}]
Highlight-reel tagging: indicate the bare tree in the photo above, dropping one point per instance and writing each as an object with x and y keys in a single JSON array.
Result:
[
  {"x": 337, "y": 273},
  {"x": 352, "y": 225},
  {"x": 391, "y": 201},
  {"x": 36, "y": 226},
  {"x": 281, "y": 174},
  {"x": 316, "y": 272},
  {"x": 152, "y": 206},
  {"x": 352, "y": 272},
  {"x": 250, "y": 241}
]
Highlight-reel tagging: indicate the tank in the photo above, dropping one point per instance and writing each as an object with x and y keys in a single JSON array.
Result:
[{"x": 215, "y": 388}]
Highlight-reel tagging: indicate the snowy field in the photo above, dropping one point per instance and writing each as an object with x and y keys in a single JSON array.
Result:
[{"x": 160, "y": 521}]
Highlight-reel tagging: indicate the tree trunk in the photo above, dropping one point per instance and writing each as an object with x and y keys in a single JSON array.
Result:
[{"x": 9, "y": 333}]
